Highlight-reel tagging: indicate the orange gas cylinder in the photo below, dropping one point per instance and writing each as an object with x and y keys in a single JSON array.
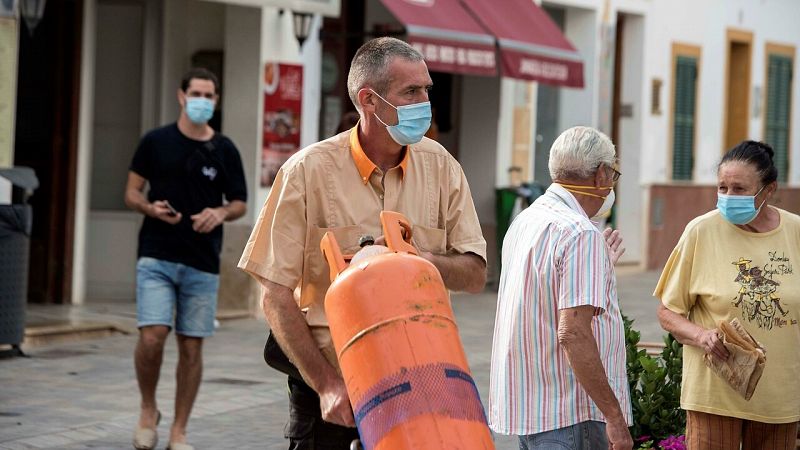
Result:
[{"x": 399, "y": 350}]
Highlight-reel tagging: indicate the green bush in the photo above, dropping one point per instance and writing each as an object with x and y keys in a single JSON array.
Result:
[{"x": 655, "y": 384}]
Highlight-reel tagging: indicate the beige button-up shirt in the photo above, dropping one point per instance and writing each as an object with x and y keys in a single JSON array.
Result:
[{"x": 333, "y": 186}]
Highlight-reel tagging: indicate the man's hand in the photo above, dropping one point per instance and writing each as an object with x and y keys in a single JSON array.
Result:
[
  {"x": 614, "y": 242},
  {"x": 619, "y": 437},
  {"x": 293, "y": 335},
  {"x": 335, "y": 404},
  {"x": 460, "y": 272},
  {"x": 576, "y": 339},
  {"x": 208, "y": 219},
  {"x": 160, "y": 210}
]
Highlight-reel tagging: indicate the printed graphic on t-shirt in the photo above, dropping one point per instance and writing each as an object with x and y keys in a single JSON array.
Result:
[
  {"x": 210, "y": 172},
  {"x": 759, "y": 298}
]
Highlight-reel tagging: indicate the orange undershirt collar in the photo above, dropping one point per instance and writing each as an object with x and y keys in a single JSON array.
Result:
[{"x": 363, "y": 164}]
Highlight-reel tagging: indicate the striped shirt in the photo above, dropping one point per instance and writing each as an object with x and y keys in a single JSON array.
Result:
[{"x": 554, "y": 257}]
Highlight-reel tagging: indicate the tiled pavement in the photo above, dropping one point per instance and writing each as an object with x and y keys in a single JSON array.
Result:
[{"x": 82, "y": 394}]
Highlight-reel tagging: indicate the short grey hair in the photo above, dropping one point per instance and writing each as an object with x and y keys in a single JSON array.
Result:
[
  {"x": 578, "y": 152},
  {"x": 370, "y": 64}
]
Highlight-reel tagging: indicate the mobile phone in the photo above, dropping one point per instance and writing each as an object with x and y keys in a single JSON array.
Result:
[{"x": 172, "y": 212}]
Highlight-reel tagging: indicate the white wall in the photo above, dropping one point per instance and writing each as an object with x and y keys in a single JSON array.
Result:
[
  {"x": 241, "y": 100},
  {"x": 84, "y": 168},
  {"x": 579, "y": 106},
  {"x": 502, "y": 132},
  {"x": 630, "y": 214},
  {"x": 151, "y": 63},
  {"x": 117, "y": 100},
  {"x": 668, "y": 22},
  {"x": 188, "y": 26},
  {"x": 111, "y": 260},
  {"x": 479, "y": 140}
]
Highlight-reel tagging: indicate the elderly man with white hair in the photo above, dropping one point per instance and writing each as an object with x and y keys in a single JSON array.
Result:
[{"x": 558, "y": 358}]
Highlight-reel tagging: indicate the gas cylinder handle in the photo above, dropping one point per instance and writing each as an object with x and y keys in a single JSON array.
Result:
[
  {"x": 333, "y": 254},
  {"x": 397, "y": 232}
]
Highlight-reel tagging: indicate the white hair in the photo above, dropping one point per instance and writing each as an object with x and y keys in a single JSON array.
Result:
[{"x": 578, "y": 152}]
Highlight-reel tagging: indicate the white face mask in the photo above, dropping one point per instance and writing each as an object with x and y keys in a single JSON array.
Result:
[
  {"x": 606, "y": 206},
  {"x": 608, "y": 200}
]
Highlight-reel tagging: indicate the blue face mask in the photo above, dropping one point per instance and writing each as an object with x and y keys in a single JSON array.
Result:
[
  {"x": 199, "y": 109},
  {"x": 739, "y": 209},
  {"x": 412, "y": 122}
]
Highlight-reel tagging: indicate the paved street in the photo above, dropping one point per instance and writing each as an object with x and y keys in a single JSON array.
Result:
[{"x": 82, "y": 394}]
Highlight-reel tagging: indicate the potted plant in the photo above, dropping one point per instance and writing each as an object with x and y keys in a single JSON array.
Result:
[{"x": 655, "y": 385}]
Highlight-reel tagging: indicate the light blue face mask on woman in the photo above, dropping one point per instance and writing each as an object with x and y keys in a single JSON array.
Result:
[
  {"x": 739, "y": 209},
  {"x": 199, "y": 109},
  {"x": 412, "y": 121}
]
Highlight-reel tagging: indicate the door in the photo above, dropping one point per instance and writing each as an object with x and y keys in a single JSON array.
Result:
[
  {"x": 116, "y": 130},
  {"x": 738, "y": 88},
  {"x": 47, "y": 140}
]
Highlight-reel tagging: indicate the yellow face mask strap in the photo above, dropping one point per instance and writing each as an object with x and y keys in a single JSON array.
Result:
[
  {"x": 580, "y": 186},
  {"x": 586, "y": 193},
  {"x": 577, "y": 189}
]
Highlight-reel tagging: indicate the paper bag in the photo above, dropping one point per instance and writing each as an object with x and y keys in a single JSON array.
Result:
[{"x": 746, "y": 362}]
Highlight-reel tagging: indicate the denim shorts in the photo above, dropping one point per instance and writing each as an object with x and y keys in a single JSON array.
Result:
[
  {"x": 168, "y": 291},
  {"x": 589, "y": 435}
]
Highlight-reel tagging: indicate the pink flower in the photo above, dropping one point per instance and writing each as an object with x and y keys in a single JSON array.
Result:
[{"x": 673, "y": 443}]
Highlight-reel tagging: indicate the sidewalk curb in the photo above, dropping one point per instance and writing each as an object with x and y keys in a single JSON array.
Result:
[{"x": 39, "y": 335}]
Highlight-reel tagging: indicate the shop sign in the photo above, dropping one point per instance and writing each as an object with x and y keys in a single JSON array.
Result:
[{"x": 283, "y": 99}]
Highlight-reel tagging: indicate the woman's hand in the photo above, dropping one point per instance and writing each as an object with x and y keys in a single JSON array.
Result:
[
  {"x": 711, "y": 343},
  {"x": 689, "y": 333}
]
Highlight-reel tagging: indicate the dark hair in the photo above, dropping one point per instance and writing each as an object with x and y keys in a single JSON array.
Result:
[
  {"x": 199, "y": 73},
  {"x": 757, "y": 154}
]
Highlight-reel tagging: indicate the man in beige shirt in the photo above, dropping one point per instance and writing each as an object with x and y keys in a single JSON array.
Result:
[{"x": 341, "y": 185}]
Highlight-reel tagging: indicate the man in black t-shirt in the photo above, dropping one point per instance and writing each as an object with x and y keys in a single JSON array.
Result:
[{"x": 196, "y": 183}]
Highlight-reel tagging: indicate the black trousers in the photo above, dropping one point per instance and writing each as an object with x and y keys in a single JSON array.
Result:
[{"x": 306, "y": 430}]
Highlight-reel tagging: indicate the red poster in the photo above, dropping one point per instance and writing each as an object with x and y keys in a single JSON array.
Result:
[{"x": 283, "y": 97}]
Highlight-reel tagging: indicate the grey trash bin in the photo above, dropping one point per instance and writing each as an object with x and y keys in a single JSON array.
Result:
[{"x": 15, "y": 231}]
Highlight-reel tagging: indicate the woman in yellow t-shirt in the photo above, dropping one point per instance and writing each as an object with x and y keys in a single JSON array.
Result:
[{"x": 738, "y": 261}]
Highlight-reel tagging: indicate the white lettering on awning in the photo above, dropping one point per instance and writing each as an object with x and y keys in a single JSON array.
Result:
[
  {"x": 431, "y": 52},
  {"x": 480, "y": 58},
  {"x": 544, "y": 69},
  {"x": 448, "y": 54}
]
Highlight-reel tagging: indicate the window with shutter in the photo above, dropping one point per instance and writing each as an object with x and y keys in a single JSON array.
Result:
[
  {"x": 683, "y": 117},
  {"x": 776, "y": 129}
]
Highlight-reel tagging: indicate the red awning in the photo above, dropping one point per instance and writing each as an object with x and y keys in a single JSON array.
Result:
[
  {"x": 448, "y": 36},
  {"x": 532, "y": 47}
]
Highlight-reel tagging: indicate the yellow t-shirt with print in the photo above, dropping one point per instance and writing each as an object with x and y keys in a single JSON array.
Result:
[{"x": 719, "y": 271}]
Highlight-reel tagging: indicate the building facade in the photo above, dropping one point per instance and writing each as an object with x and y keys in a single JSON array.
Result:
[{"x": 674, "y": 83}]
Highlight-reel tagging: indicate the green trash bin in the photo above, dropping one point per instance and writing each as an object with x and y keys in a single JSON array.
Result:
[{"x": 506, "y": 202}]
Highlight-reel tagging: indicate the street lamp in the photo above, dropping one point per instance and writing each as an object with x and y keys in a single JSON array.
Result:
[
  {"x": 302, "y": 26},
  {"x": 32, "y": 12}
]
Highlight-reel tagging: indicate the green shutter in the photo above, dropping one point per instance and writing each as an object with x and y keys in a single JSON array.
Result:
[
  {"x": 683, "y": 118},
  {"x": 779, "y": 87}
]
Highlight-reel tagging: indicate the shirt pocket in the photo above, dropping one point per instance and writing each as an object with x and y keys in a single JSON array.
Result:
[{"x": 428, "y": 239}]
